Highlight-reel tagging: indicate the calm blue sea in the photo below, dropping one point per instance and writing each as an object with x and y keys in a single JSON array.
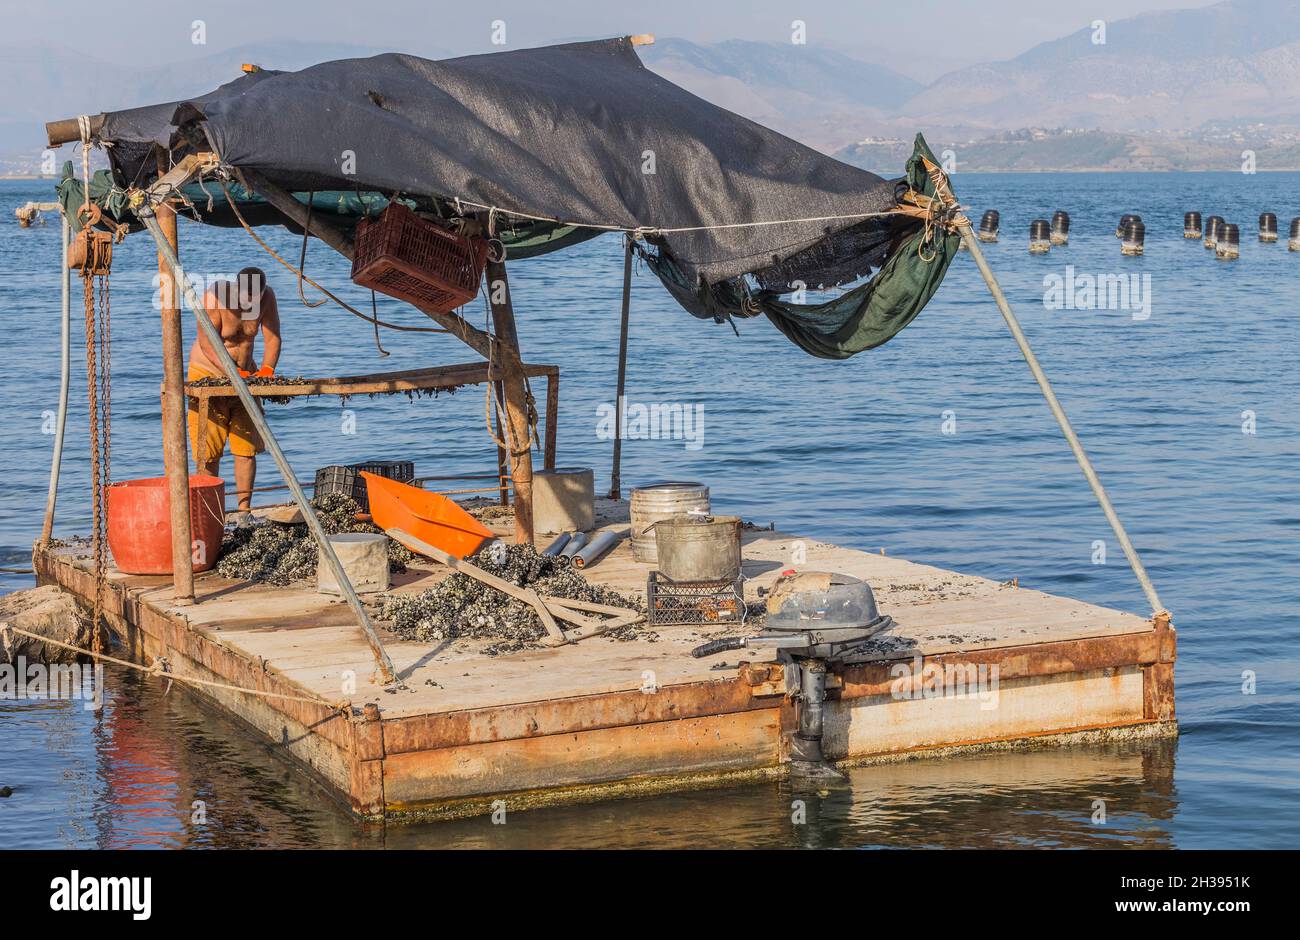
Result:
[{"x": 852, "y": 452}]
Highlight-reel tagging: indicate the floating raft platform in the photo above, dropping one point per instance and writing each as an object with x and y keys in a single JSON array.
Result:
[{"x": 605, "y": 718}]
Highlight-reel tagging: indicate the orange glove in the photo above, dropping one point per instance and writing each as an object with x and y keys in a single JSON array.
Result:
[
  {"x": 265, "y": 372},
  {"x": 244, "y": 373}
]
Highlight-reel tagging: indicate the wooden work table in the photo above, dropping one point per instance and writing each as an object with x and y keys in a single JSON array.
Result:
[{"x": 382, "y": 383}]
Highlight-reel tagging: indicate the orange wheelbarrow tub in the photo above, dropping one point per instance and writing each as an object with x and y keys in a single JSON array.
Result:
[{"x": 429, "y": 516}]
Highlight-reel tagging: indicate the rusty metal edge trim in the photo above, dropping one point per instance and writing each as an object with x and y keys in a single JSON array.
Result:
[{"x": 191, "y": 641}]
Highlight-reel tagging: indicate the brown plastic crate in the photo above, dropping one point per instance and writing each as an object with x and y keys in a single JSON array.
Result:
[{"x": 400, "y": 254}]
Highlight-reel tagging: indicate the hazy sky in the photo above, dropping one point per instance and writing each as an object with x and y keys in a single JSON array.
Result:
[{"x": 925, "y": 36}]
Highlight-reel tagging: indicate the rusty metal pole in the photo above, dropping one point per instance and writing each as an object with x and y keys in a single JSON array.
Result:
[
  {"x": 175, "y": 447},
  {"x": 616, "y": 473},
  {"x": 518, "y": 431}
]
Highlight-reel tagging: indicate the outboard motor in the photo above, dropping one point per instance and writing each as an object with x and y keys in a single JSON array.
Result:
[{"x": 814, "y": 618}]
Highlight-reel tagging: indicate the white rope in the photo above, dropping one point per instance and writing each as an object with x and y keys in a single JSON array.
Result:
[{"x": 641, "y": 231}]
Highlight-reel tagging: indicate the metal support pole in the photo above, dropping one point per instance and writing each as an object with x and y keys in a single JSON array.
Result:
[
  {"x": 175, "y": 447},
  {"x": 615, "y": 474},
  {"x": 382, "y": 662},
  {"x": 972, "y": 244},
  {"x": 47, "y": 529}
]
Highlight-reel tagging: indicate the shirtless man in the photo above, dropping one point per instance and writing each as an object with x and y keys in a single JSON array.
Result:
[{"x": 239, "y": 310}]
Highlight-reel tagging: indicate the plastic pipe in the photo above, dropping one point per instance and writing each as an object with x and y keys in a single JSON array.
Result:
[
  {"x": 555, "y": 547},
  {"x": 574, "y": 545},
  {"x": 47, "y": 529},
  {"x": 598, "y": 547}
]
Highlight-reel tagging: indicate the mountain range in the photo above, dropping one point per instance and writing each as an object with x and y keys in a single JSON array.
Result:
[{"x": 1173, "y": 89}]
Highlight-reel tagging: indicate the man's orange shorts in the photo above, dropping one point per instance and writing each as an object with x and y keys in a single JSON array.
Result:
[{"x": 227, "y": 421}]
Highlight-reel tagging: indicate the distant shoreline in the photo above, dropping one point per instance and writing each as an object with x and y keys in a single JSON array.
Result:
[{"x": 959, "y": 173}]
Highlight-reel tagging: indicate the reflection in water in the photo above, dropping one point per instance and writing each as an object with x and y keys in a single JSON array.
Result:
[
  {"x": 158, "y": 753},
  {"x": 1002, "y": 800}
]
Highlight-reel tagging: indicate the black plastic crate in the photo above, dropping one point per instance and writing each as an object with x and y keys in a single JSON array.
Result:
[
  {"x": 403, "y": 471},
  {"x": 670, "y": 603},
  {"x": 340, "y": 478}
]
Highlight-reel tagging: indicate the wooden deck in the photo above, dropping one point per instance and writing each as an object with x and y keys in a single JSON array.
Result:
[{"x": 605, "y": 717}]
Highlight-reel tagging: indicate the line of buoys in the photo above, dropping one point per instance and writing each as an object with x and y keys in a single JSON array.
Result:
[
  {"x": 1212, "y": 230},
  {"x": 1267, "y": 227},
  {"x": 1224, "y": 238},
  {"x": 989, "y": 226},
  {"x": 1040, "y": 237},
  {"x": 1060, "y": 227},
  {"x": 1294, "y": 242},
  {"x": 1228, "y": 245},
  {"x": 1135, "y": 235}
]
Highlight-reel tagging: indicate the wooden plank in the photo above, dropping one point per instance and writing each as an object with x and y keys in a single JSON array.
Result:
[
  {"x": 552, "y": 419},
  {"x": 474, "y": 373}
]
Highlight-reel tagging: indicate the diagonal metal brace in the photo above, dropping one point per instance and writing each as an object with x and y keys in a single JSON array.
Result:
[{"x": 145, "y": 213}]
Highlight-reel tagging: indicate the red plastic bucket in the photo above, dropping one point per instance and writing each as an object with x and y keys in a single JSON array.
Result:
[{"x": 140, "y": 530}]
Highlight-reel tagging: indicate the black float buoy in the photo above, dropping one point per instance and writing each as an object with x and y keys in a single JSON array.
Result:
[
  {"x": 1124, "y": 220},
  {"x": 1040, "y": 237},
  {"x": 1294, "y": 242},
  {"x": 1267, "y": 227},
  {"x": 1135, "y": 235},
  {"x": 1192, "y": 225},
  {"x": 1212, "y": 230},
  {"x": 989, "y": 226},
  {"x": 1060, "y": 227},
  {"x": 1228, "y": 245}
]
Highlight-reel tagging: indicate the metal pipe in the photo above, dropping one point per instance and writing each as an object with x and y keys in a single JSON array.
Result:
[
  {"x": 598, "y": 546},
  {"x": 56, "y": 461},
  {"x": 972, "y": 244},
  {"x": 557, "y": 546},
  {"x": 384, "y": 664},
  {"x": 574, "y": 545},
  {"x": 615, "y": 475}
]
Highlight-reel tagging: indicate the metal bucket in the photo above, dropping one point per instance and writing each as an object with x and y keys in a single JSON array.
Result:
[
  {"x": 699, "y": 548},
  {"x": 661, "y": 501}
]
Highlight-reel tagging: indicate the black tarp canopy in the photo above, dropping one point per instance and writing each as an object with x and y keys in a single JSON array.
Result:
[{"x": 579, "y": 139}]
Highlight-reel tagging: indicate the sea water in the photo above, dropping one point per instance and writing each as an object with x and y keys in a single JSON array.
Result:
[{"x": 936, "y": 447}]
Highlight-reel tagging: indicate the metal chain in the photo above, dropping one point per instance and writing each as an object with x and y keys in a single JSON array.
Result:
[
  {"x": 106, "y": 383},
  {"x": 96, "y": 503}
]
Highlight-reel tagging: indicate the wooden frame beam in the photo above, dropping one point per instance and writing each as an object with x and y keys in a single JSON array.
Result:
[
  {"x": 174, "y": 432},
  {"x": 331, "y": 235}
]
